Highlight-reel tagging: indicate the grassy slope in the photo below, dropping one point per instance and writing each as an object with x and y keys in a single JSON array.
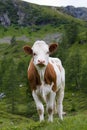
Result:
[
  {"x": 82, "y": 50},
  {"x": 70, "y": 123},
  {"x": 15, "y": 122},
  {"x": 74, "y": 103}
]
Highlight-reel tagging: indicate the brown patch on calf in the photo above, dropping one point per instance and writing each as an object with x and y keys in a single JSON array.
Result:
[
  {"x": 40, "y": 111},
  {"x": 50, "y": 110},
  {"x": 50, "y": 76},
  {"x": 33, "y": 76}
]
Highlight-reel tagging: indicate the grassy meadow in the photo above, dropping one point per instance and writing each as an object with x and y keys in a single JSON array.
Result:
[
  {"x": 17, "y": 107},
  {"x": 25, "y": 116}
]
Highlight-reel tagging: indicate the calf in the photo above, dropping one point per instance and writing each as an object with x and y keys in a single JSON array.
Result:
[{"x": 47, "y": 79}]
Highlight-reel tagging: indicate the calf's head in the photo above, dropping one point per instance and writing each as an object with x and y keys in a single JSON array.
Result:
[{"x": 40, "y": 52}]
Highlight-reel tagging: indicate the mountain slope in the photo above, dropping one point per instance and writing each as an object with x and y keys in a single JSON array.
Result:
[
  {"x": 17, "y": 12},
  {"x": 20, "y": 19},
  {"x": 80, "y": 12}
]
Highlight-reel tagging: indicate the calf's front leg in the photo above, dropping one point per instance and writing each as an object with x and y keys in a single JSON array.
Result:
[
  {"x": 50, "y": 105},
  {"x": 39, "y": 105}
]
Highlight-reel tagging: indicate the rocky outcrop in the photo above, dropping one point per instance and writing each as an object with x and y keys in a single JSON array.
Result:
[
  {"x": 11, "y": 12},
  {"x": 50, "y": 37},
  {"x": 20, "y": 13},
  {"x": 4, "y": 19},
  {"x": 80, "y": 12},
  {"x": 21, "y": 17}
]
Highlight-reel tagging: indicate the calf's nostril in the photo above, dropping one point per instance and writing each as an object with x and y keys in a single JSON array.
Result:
[{"x": 41, "y": 61}]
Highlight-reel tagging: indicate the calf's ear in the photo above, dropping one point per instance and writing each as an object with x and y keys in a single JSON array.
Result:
[
  {"x": 28, "y": 50},
  {"x": 53, "y": 47}
]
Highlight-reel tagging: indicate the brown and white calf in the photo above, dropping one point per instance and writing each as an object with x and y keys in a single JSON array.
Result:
[{"x": 47, "y": 79}]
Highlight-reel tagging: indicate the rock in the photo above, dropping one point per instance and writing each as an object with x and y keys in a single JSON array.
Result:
[
  {"x": 21, "y": 17},
  {"x": 23, "y": 38},
  {"x": 80, "y": 12},
  {"x": 2, "y": 95},
  {"x": 4, "y": 19},
  {"x": 52, "y": 37}
]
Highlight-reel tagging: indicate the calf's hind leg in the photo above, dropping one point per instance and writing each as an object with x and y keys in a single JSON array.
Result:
[{"x": 60, "y": 96}]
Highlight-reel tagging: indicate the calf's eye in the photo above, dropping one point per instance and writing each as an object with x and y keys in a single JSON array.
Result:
[
  {"x": 34, "y": 54},
  {"x": 47, "y": 52}
]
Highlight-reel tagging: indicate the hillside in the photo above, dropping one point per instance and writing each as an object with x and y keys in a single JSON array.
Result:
[
  {"x": 25, "y": 14},
  {"x": 22, "y": 13},
  {"x": 22, "y": 23},
  {"x": 23, "y": 20},
  {"x": 79, "y": 12}
]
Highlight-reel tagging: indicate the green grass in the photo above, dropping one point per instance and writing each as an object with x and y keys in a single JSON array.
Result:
[
  {"x": 82, "y": 51},
  {"x": 15, "y": 122},
  {"x": 75, "y": 105},
  {"x": 30, "y": 32},
  {"x": 78, "y": 122},
  {"x": 75, "y": 102}
]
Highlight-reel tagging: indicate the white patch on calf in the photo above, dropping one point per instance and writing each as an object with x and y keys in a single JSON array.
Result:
[
  {"x": 40, "y": 51},
  {"x": 44, "y": 90},
  {"x": 55, "y": 62}
]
